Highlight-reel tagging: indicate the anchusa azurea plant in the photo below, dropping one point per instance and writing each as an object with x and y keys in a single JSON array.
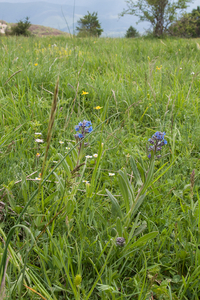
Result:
[
  {"x": 82, "y": 129},
  {"x": 157, "y": 141}
]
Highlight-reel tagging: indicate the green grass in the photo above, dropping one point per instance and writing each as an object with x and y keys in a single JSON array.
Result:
[{"x": 69, "y": 227}]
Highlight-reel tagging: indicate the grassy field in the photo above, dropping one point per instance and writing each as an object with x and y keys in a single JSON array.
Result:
[{"x": 62, "y": 213}]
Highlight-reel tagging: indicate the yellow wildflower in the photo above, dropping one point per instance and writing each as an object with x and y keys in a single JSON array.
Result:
[
  {"x": 98, "y": 107},
  {"x": 38, "y": 154},
  {"x": 157, "y": 68},
  {"x": 84, "y": 93},
  {"x": 36, "y": 64}
]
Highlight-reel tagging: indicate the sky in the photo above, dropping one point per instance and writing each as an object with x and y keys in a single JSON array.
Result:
[{"x": 108, "y": 11}]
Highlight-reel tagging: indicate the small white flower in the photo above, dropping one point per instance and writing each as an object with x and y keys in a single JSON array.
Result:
[
  {"x": 111, "y": 174},
  {"x": 55, "y": 161},
  {"x": 88, "y": 156},
  {"x": 192, "y": 73},
  {"x": 67, "y": 148},
  {"x": 95, "y": 155},
  {"x": 85, "y": 181},
  {"x": 181, "y": 68},
  {"x": 61, "y": 142},
  {"x": 39, "y": 141},
  {"x": 38, "y": 133},
  {"x": 37, "y": 178}
]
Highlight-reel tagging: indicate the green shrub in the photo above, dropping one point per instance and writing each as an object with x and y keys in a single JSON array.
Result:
[{"x": 21, "y": 28}]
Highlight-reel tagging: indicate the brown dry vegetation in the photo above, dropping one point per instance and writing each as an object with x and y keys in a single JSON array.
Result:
[{"x": 40, "y": 30}]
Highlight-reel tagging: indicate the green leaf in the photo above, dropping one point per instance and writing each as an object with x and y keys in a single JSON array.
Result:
[
  {"x": 116, "y": 209},
  {"x": 135, "y": 171},
  {"x": 140, "y": 229},
  {"x": 144, "y": 239},
  {"x": 50, "y": 197},
  {"x": 149, "y": 176},
  {"x": 65, "y": 165},
  {"x": 138, "y": 204},
  {"x": 70, "y": 208},
  {"x": 119, "y": 227},
  {"x": 61, "y": 182},
  {"x": 123, "y": 185}
]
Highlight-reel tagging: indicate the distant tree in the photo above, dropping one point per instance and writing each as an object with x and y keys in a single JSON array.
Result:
[
  {"x": 21, "y": 28},
  {"x": 131, "y": 32},
  {"x": 89, "y": 26},
  {"x": 160, "y": 13},
  {"x": 188, "y": 25}
]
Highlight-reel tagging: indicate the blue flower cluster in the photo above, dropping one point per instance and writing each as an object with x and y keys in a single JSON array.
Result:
[
  {"x": 82, "y": 128},
  {"x": 157, "y": 141}
]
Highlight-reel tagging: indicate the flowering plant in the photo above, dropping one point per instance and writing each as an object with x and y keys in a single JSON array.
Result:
[
  {"x": 82, "y": 129},
  {"x": 157, "y": 141}
]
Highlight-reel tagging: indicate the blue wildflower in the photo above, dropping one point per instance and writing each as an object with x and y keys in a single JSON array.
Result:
[
  {"x": 157, "y": 141},
  {"x": 88, "y": 123},
  {"x": 82, "y": 128},
  {"x": 80, "y": 135}
]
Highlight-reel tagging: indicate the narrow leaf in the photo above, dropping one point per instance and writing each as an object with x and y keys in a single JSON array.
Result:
[{"x": 116, "y": 209}]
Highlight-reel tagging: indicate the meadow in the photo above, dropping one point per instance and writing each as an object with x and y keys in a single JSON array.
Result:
[{"x": 65, "y": 202}]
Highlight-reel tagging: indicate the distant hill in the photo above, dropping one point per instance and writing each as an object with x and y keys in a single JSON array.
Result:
[{"x": 40, "y": 30}]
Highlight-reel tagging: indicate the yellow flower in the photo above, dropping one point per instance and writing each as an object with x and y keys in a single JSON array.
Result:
[
  {"x": 157, "y": 68},
  {"x": 38, "y": 154},
  {"x": 84, "y": 93},
  {"x": 36, "y": 64},
  {"x": 98, "y": 107}
]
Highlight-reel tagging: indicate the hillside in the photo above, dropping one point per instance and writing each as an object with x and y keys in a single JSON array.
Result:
[{"x": 40, "y": 30}]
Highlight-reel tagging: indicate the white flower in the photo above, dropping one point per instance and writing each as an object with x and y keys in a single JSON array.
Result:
[
  {"x": 39, "y": 141},
  {"x": 181, "y": 68},
  {"x": 67, "y": 148},
  {"x": 85, "y": 181},
  {"x": 38, "y": 133},
  {"x": 192, "y": 73},
  {"x": 95, "y": 155},
  {"x": 55, "y": 161},
  {"x": 61, "y": 142},
  {"x": 111, "y": 174},
  {"x": 88, "y": 156},
  {"x": 37, "y": 178}
]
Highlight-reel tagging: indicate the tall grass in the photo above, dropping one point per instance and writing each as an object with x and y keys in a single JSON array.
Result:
[{"x": 64, "y": 246}]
